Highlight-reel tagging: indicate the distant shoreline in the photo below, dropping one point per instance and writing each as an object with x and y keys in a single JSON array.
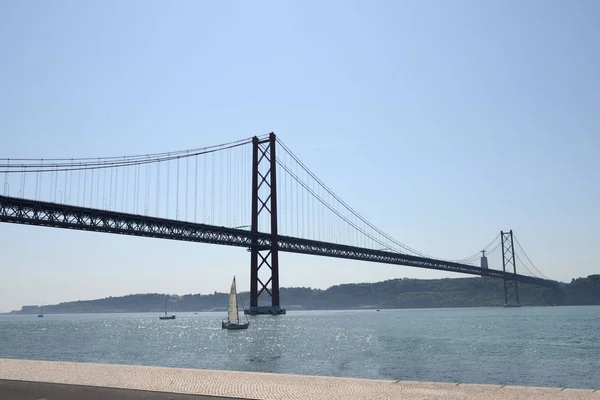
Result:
[
  {"x": 391, "y": 294},
  {"x": 307, "y": 310}
]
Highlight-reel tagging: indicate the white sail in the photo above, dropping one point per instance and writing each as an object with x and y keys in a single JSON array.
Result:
[{"x": 232, "y": 310}]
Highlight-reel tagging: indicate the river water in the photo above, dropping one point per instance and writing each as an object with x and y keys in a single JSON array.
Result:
[{"x": 539, "y": 346}]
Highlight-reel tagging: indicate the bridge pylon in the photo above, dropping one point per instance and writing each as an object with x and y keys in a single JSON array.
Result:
[
  {"x": 511, "y": 286},
  {"x": 264, "y": 209}
]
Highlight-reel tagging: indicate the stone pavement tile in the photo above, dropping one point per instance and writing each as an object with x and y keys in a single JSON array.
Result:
[
  {"x": 265, "y": 386},
  {"x": 530, "y": 393}
]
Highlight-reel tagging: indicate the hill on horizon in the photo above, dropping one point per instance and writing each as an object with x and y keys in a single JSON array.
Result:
[{"x": 393, "y": 293}]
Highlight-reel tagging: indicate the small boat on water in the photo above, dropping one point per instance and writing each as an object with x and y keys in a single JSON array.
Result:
[
  {"x": 166, "y": 316},
  {"x": 233, "y": 316},
  {"x": 41, "y": 314}
]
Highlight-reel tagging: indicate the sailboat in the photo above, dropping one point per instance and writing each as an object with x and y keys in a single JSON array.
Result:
[
  {"x": 233, "y": 316},
  {"x": 41, "y": 314},
  {"x": 166, "y": 316}
]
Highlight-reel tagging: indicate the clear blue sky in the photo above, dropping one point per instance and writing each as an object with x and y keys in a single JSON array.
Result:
[{"x": 441, "y": 122}]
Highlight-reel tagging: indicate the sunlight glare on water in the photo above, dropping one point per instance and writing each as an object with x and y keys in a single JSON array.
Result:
[{"x": 553, "y": 346}]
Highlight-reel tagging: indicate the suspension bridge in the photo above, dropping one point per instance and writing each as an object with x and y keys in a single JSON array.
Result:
[{"x": 254, "y": 193}]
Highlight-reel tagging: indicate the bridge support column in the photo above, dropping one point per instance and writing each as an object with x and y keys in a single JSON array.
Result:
[
  {"x": 511, "y": 287},
  {"x": 264, "y": 205}
]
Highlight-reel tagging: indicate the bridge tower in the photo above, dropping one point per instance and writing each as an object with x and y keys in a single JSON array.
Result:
[
  {"x": 511, "y": 287},
  {"x": 264, "y": 209}
]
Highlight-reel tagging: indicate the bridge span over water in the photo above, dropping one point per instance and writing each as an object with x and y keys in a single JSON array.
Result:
[{"x": 254, "y": 193}]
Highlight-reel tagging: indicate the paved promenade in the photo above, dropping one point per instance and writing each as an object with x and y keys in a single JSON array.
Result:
[{"x": 98, "y": 378}]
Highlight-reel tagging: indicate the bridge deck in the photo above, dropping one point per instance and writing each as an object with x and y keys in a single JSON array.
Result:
[
  {"x": 249, "y": 385},
  {"x": 31, "y": 212}
]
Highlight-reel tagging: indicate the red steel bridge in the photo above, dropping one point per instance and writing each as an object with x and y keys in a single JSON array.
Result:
[{"x": 254, "y": 193}]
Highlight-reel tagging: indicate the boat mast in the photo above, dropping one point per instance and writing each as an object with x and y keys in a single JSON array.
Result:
[
  {"x": 237, "y": 315},
  {"x": 166, "y": 298}
]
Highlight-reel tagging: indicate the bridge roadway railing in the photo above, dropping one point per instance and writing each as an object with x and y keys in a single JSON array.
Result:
[{"x": 32, "y": 212}]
